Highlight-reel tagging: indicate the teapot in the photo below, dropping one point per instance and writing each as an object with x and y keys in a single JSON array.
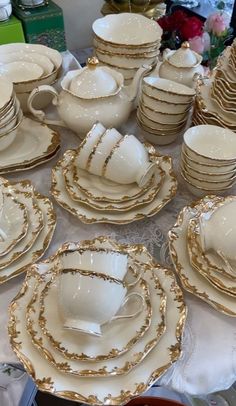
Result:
[
  {"x": 182, "y": 66},
  {"x": 91, "y": 94}
]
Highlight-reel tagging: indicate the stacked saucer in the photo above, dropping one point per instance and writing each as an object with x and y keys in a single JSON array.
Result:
[
  {"x": 28, "y": 66},
  {"x": 203, "y": 258},
  {"x": 164, "y": 109},
  {"x": 10, "y": 114},
  {"x": 126, "y": 42},
  {"x": 215, "y": 102},
  {"x": 112, "y": 178},
  {"x": 57, "y": 342},
  {"x": 27, "y": 223}
]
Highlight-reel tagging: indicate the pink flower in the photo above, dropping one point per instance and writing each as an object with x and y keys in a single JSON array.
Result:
[
  {"x": 217, "y": 23},
  {"x": 197, "y": 44}
]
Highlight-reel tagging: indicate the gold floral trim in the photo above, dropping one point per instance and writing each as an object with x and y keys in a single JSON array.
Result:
[
  {"x": 91, "y": 155},
  {"x": 108, "y": 158},
  {"x": 145, "y": 55}
]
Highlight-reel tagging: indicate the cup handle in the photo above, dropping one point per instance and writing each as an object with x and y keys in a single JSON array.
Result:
[
  {"x": 230, "y": 269},
  {"x": 140, "y": 274},
  {"x": 129, "y": 316},
  {"x": 40, "y": 114}
]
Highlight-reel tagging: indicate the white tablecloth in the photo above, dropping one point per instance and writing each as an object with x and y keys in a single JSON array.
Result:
[{"x": 208, "y": 362}]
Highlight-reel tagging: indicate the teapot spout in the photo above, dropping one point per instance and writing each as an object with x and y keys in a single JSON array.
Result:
[{"x": 132, "y": 89}]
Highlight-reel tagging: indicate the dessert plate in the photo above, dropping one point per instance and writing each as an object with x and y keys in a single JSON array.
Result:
[
  {"x": 89, "y": 215},
  {"x": 190, "y": 278},
  {"x": 109, "y": 390},
  {"x": 13, "y": 223},
  {"x": 43, "y": 240},
  {"x": 76, "y": 194},
  {"x": 200, "y": 262},
  {"x": 116, "y": 366},
  {"x": 34, "y": 142},
  {"x": 34, "y": 219}
]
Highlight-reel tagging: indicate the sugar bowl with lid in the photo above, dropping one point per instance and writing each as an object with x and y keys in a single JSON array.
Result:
[
  {"x": 94, "y": 93},
  {"x": 181, "y": 66}
]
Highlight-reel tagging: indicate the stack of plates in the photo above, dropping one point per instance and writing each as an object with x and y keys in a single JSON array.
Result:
[
  {"x": 202, "y": 273},
  {"x": 27, "y": 223},
  {"x": 95, "y": 199},
  {"x": 215, "y": 102},
  {"x": 29, "y": 66},
  {"x": 85, "y": 368},
  {"x": 127, "y": 41},
  {"x": 164, "y": 109},
  {"x": 208, "y": 159}
]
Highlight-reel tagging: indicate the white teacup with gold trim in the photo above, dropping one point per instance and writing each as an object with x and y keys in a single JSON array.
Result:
[{"x": 87, "y": 300}]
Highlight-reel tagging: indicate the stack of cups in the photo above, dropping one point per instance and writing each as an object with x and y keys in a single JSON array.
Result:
[{"x": 5, "y": 9}]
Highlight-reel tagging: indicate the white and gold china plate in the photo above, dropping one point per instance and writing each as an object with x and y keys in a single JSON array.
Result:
[
  {"x": 89, "y": 215},
  {"x": 76, "y": 193},
  {"x": 34, "y": 144},
  {"x": 109, "y": 390},
  {"x": 13, "y": 223},
  {"x": 35, "y": 223},
  {"x": 43, "y": 240},
  {"x": 190, "y": 278},
  {"x": 199, "y": 260}
]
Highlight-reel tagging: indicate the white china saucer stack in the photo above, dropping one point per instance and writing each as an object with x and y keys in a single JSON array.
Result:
[
  {"x": 127, "y": 41},
  {"x": 164, "y": 109},
  {"x": 28, "y": 66},
  {"x": 215, "y": 100},
  {"x": 27, "y": 223},
  {"x": 112, "y": 178},
  {"x": 202, "y": 247},
  {"x": 131, "y": 352},
  {"x": 208, "y": 159}
]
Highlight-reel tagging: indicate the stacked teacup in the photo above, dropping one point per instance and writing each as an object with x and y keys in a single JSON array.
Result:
[
  {"x": 164, "y": 109},
  {"x": 95, "y": 273},
  {"x": 208, "y": 159},
  {"x": 10, "y": 114}
]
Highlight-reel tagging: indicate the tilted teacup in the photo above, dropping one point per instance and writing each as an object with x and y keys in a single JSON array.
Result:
[{"x": 87, "y": 300}]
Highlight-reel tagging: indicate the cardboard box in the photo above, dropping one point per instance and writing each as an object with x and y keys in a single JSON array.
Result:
[
  {"x": 43, "y": 25},
  {"x": 11, "y": 31}
]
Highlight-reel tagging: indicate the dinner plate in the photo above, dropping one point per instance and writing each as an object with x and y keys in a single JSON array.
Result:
[
  {"x": 76, "y": 194},
  {"x": 13, "y": 223},
  {"x": 200, "y": 262},
  {"x": 109, "y": 390},
  {"x": 34, "y": 141},
  {"x": 43, "y": 240},
  {"x": 35, "y": 223},
  {"x": 191, "y": 279},
  {"x": 89, "y": 215}
]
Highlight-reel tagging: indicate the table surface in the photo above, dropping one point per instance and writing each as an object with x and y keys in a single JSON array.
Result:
[{"x": 208, "y": 363}]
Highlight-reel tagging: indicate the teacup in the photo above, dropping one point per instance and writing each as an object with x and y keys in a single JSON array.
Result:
[
  {"x": 87, "y": 145},
  {"x": 218, "y": 232},
  {"x": 87, "y": 300},
  {"x": 109, "y": 262}
]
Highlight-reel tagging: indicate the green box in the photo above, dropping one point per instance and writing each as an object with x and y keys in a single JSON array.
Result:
[
  {"x": 43, "y": 25},
  {"x": 11, "y": 31}
]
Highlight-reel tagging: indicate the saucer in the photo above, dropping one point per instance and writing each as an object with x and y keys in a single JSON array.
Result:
[
  {"x": 190, "y": 278},
  {"x": 35, "y": 224},
  {"x": 89, "y": 215},
  {"x": 42, "y": 241},
  {"x": 76, "y": 194},
  {"x": 198, "y": 259},
  {"x": 109, "y": 390},
  {"x": 13, "y": 222},
  {"x": 35, "y": 142}
]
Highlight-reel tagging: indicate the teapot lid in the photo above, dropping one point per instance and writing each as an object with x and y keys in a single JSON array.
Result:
[
  {"x": 93, "y": 81},
  {"x": 184, "y": 57}
]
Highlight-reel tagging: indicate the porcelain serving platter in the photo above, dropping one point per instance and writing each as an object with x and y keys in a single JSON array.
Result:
[
  {"x": 89, "y": 215},
  {"x": 109, "y": 390},
  {"x": 13, "y": 223},
  {"x": 191, "y": 279},
  {"x": 34, "y": 143},
  {"x": 40, "y": 245}
]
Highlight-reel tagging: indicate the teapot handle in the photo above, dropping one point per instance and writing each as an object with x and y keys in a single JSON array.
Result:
[{"x": 40, "y": 114}]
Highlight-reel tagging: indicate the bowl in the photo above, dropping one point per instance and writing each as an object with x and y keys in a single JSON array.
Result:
[
  {"x": 127, "y": 29},
  {"x": 209, "y": 176},
  {"x": 43, "y": 61},
  {"x": 210, "y": 144},
  {"x": 167, "y": 90},
  {"x": 160, "y": 117},
  {"x": 163, "y": 107},
  {"x": 20, "y": 71},
  {"x": 208, "y": 185},
  {"x": 104, "y": 46},
  {"x": 124, "y": 62},
  {"x": 8, "y": 138},
  {"x": 155, "y": 139},
  {"x": 200, "y": 191},
  {"x": 7, "y": 126}
]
